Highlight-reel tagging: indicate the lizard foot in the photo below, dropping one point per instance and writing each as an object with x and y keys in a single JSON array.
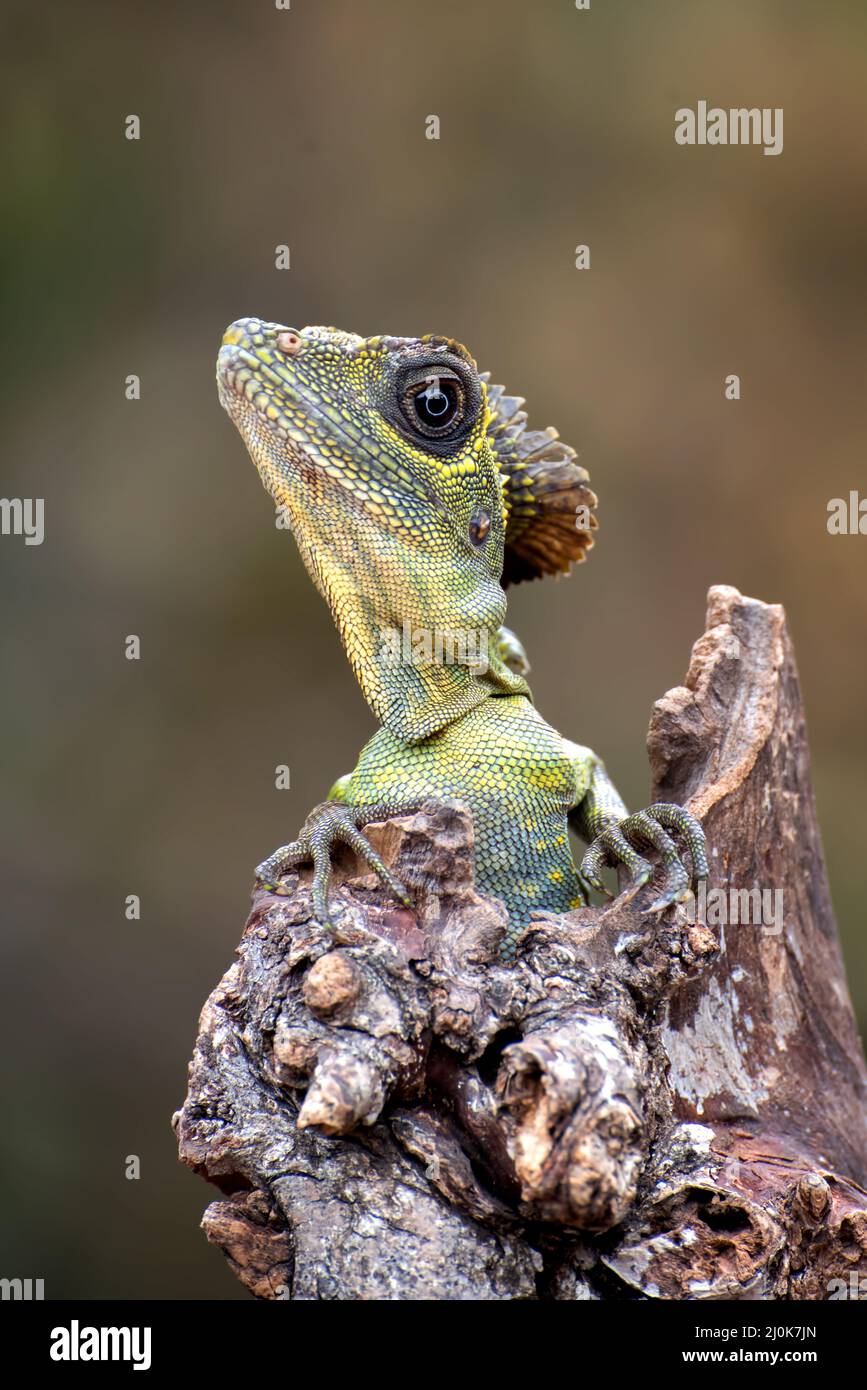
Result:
[
  {"x": 612, "y": 846},
  {"x": 327, "y": 824}
]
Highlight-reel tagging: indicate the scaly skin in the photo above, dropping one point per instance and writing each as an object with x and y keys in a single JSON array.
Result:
[{"x": 414, "y": 493}]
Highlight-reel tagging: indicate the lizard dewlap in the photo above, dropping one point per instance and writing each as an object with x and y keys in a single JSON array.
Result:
[{"x": 417, "y": 493}]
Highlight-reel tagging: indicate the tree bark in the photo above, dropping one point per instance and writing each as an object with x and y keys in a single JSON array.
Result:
[{"x": 639, "y": 1107}]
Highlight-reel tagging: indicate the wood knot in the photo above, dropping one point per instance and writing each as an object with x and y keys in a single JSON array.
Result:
[
  {"x": 333, "y": 983},
  {"x": 294, "y": 1051},
  {"x": 813, "y": 1195}
]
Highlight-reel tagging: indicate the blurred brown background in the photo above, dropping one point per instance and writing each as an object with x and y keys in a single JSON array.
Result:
[{"x": 307, "y": 127}]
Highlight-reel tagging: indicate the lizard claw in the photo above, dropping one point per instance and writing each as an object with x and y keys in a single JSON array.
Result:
[
  {"x": 278, "y": 864},
  {"x": 592, "y": 865},
  {"x": 326, "y": 825},
  {"x": 613, "y": 846}
]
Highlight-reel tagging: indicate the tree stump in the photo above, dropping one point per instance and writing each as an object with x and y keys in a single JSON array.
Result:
[{"x": 641, "y": 1106}]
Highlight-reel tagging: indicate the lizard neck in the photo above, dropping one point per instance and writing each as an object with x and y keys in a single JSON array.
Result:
[{"x": 416, "y": 674}]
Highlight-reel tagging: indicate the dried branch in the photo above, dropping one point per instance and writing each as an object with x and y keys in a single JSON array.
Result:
[{"x": 638, "y": 1106}]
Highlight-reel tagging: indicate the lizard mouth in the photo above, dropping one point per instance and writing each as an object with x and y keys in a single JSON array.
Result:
[
  {"x": 231, "y": 361},
  {"x": 254, "y": 363},
  {"x": 258, "y": 389},
  {"x": 287, "y": 431},
  {"x": 243, "y": 374}
]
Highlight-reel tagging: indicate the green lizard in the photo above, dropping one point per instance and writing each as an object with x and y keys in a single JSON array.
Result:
[{"x": 416, "y": 493}]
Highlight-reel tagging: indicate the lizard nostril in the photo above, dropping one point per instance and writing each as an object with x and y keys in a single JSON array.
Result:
[{"x": 289, "y": 342}]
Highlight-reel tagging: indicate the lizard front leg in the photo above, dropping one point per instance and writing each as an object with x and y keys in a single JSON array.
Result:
[
  {"x": 328, "y": 824},
  {"x": 601, "y": 818},
  {"x": 510, "y": 650}
]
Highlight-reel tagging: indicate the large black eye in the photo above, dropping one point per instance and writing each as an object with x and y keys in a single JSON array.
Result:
[{"x": 435, "y": 405}]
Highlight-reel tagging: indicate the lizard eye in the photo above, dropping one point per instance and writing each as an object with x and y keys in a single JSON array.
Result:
[
  {"x": 480, "y": 525},
  {"x": 434, "y": 405}
]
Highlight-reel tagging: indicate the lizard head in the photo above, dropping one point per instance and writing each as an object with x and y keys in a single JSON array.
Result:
[{"x": 377, "y": 453}]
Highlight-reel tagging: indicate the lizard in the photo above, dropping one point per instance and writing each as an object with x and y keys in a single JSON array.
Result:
[{"x": 416, "y": 493}]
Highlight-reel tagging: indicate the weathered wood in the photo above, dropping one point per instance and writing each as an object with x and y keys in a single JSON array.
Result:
[{"x": 639, "y": 1106}]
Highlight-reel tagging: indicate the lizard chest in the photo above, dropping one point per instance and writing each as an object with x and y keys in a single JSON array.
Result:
[{"x": 501, "y": 755}]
